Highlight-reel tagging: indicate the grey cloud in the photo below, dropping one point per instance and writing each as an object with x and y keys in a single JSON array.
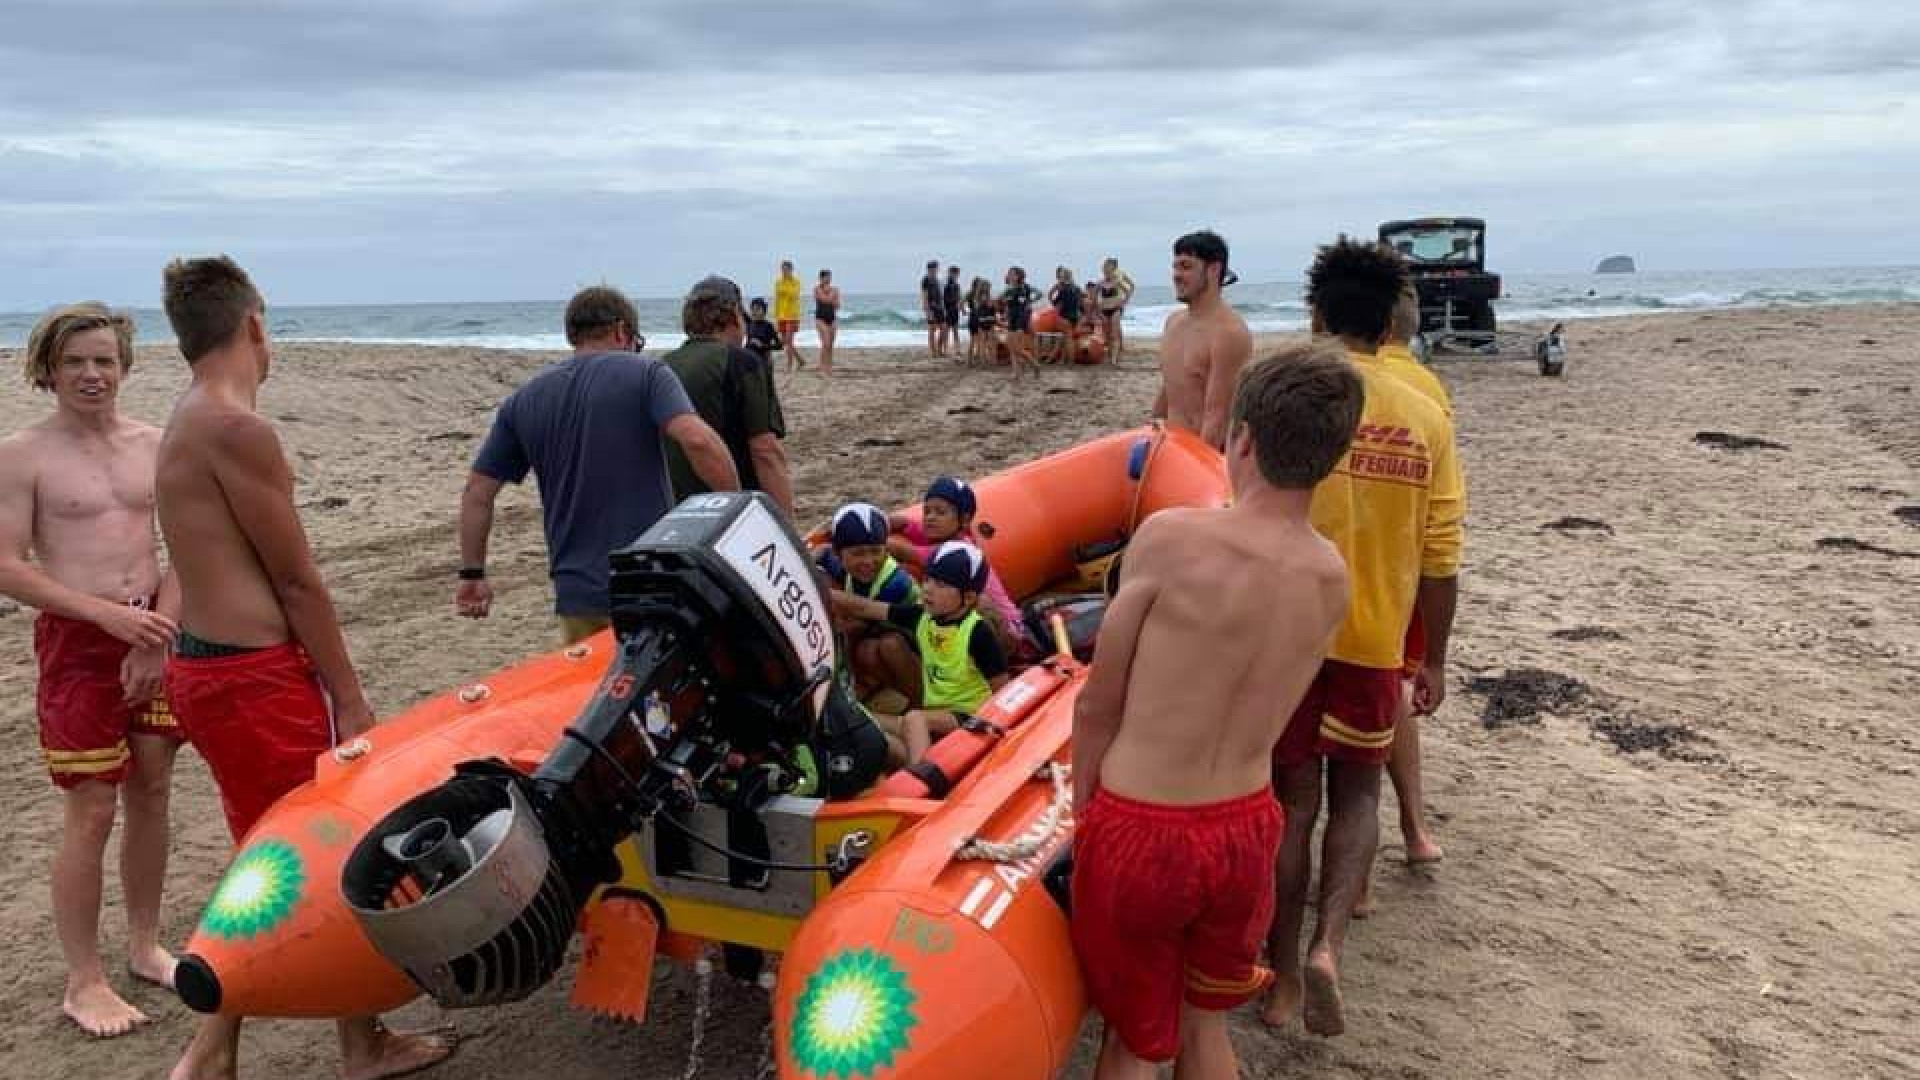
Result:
[
  {"x": 511, "y": 150},
  {"x": 143, "y": 54},
  {"x": 37, "y": 177}
]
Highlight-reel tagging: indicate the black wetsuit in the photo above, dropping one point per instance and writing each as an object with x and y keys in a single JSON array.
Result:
[
  {"x": 848, "y": 747},
  {"x": 930, "y": 293},
  {"x": 1019, "y": 301},
  {"x": 951, "y": 296},
  {"x": 762, "y": 338},
  {"x": 1067, "y": 302}
]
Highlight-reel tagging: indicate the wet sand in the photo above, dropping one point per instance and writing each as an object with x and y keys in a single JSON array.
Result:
[{"x": 1675, "y": 775}]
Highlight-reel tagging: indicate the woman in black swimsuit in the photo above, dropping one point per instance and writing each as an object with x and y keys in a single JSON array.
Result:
[{"x": 826, "y": 306}]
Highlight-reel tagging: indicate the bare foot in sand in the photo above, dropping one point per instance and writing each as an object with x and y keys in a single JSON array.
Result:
[
  {"x": 100, "y": 1012},
  {"x": 1283, "y": 1000},
  {"x": 1321, "y": 1009},
  {"x": 1363, "y": 904},
  {"x": 397, "y": 1054},
  {"x": 1422, "y": 851},
  {"x": 154, "y": 965}
]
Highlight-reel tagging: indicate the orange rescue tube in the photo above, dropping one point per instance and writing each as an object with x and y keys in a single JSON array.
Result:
[
  {"x": 928, "y": 966},
  {"x": 277, "y": 938},
  {"x": 1032, "y": 517}
]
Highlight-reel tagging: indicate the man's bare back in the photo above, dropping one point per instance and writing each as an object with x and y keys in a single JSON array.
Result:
[
  {"x": 1223, "y": 619},
  {"x": 227, "y": 595},
  {"x": 1202, "y": 351}
]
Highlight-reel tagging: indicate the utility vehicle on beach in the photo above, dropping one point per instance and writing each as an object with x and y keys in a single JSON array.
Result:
[{"x": 1447, "y": 257}]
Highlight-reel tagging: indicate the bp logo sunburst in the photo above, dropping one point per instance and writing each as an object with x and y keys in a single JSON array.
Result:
[
  {"x": 257, "y": 892},
  {"x": 853, "y": 1016}
]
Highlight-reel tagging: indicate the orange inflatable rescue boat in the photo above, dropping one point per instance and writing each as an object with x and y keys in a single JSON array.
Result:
[
  {"x": 1086, "y": 349},
  {"x": 659, "y": 789}
]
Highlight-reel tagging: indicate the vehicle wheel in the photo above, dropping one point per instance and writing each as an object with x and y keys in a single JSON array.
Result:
[{"x": 1480, "y": 320}]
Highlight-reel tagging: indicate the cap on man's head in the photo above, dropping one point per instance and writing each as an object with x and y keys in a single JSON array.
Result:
[
  {"x": 859, "y": 525},
  {"x": 953, "y": 490},
  {"x": 713, "y": 285},
  {"x": 959, "y": 565}
]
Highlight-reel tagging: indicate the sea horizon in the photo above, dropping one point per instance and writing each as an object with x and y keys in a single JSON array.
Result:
[{"x": 893, "y": 319}]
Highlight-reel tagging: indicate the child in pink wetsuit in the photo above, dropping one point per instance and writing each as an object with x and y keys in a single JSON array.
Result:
[{"x": 946, "y": 513}]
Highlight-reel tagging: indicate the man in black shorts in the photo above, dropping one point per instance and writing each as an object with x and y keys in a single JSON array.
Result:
[
  {"x": 950, "y": 308},
  {"x": 934, "y": 308}
]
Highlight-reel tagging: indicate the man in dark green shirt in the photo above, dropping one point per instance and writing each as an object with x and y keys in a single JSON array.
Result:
[{"x": 732, "y": 389}]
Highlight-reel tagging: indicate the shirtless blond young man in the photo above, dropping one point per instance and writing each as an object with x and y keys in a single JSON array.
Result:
[
  {"x": 1218, "y": 628},
  {"x": 260, "y": 679},
  {"x": 76, "y": 494},
  {"x": 1204, "y": 348}
]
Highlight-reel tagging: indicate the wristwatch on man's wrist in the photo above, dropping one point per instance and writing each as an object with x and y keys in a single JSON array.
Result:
[{"x": 473, "y": 573}]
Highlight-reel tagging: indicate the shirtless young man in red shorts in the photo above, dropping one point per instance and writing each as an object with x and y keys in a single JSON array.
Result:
[
  {"x": 1220, "y": 623},
  {"x": 260, "y": 679},
  {"x": 76, "y": 490},
  {"x": 1204, "y": 346}
]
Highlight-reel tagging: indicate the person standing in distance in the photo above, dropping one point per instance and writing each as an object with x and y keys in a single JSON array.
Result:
[{"x": 786, "y": 313}]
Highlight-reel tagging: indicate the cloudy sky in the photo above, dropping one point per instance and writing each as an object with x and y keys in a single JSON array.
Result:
[{"x": 364, "y": 151}]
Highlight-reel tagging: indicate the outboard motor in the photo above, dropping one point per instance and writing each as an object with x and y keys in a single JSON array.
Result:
[{"x": 722, "y": 675}]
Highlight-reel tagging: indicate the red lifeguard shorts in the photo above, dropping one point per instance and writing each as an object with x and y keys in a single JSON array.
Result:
[
  {"x": 1347, "y": 715},
  {"x": 258, "y": 718},
  {"x": 1172, "y": 903},
  {"x": 84, "y": 717}
]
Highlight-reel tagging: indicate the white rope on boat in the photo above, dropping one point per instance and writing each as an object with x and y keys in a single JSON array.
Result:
[{"x": 1052, "y": 820}]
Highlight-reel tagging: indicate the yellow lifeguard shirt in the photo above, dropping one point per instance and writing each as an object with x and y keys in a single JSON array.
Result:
[
  {"x": 786, "y": 299},
  {"x": 1400, "y": 360},
  {"x": 1393, "y": 506}
]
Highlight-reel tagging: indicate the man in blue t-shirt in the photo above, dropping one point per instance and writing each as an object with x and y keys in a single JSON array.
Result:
[{"x": 589, "y": 428}]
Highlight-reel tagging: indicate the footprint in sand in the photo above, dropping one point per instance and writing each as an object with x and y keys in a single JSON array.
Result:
[
  {"x": 1848, "y": 543},
  {"x": 1588, "y": 633},
  {"x": 1908, "y": 514},
  {"x": 1579, "y": 524},
  {"x": 1724, "y": 441}
]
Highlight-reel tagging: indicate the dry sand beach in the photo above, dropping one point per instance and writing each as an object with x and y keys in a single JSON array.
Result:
[{"x": 1677, "y": 774}]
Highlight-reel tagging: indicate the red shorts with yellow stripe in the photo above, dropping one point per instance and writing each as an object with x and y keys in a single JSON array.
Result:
[
  {"x": 1172, "y": 904},
  {"x": 1347, "y": 715},
  {"x": 84, "y": 716}
]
